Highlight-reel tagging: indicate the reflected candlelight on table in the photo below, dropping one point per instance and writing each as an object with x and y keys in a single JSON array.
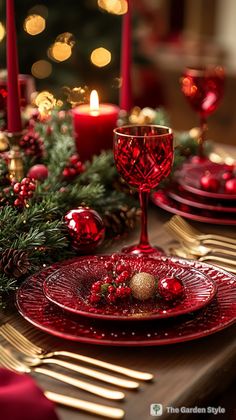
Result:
[{"x": 93, "y": 126}]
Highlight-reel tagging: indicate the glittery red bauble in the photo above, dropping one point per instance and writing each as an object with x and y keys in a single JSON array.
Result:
[
  {"x": 230, "y": 186},
  {"x": 86, "y": 229},
  {"x": 170, "y": 288},
  {"x": 209, "y": 183},
  {"x": 38, "y": 172}
]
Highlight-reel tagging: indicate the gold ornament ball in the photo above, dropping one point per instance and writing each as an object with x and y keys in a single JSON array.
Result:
[{"x": 143, "y": 286}]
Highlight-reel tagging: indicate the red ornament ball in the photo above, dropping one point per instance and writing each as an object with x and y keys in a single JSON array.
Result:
[
  {"x": 209, "y": 183},
  {"x": 230, "y": 186},
  {"x": 38, "y": 172},
  {"x": 227, "y": 175},
  {"x": 86, "y": 229},
  {"x": 170, "y": 288}
]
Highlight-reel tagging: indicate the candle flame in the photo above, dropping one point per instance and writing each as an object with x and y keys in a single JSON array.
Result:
[{"x": 94, "y": 102}]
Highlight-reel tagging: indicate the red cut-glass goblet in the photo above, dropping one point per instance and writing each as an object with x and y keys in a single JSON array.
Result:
[
  {"x": 143, "y": 157},
  {"x": 203, "y": 88}
]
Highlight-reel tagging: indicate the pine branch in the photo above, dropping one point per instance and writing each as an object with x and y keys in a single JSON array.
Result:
[
  {"x": 61, "y": 153},
  {"x": 102, "y": 167},
  {"x": 7, "y": 213},
  {"x": 53, "y": 235},
  {"x": 6, "y": 284},
  {"x": 28, "y": 240},
  {"x": 47, "y": 209},
  {"x": 77, "y": 195}
]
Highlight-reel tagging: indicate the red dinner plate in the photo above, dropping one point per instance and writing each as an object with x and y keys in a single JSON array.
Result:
[
  {"x": 69, "y": 287},
  {"x": 161, "y": 199},
  {"x": 190, "y": 174},
  {"x": 219, "y": 314},
  {"x": 185, "y": 197}
]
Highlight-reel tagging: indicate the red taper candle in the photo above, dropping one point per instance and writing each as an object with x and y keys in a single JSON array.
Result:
[
  {"x": 14, "y": 123},
  {"x": 126, "y": 60}
]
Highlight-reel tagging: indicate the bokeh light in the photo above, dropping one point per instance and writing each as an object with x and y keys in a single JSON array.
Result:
[
  {"x": 2, "y": 31},
  {"x": 60, "y": 51},
  {"x": 100, "y": 57},
  {"x": 117, "y": 7},
  {"x": 34, "y": 24},
  {"x": 41, "y": 69}
]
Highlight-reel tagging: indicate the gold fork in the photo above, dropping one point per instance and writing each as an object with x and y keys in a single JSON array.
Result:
[
  {"x": 195, "y": 234},
  {"x": 89, "y": 407},
  {"x": 202, "y": 251},
  {"x": 34, "y": 361},
  {"x": 31, "y": 349},
  {"x": 196, "y": 247},
  {"x": 7, "y": 361},
  {"x": 6, "y": 357},
  {"x": 218, "y": 261}
]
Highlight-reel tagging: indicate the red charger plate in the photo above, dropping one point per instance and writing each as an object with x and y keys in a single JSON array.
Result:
[{"x": 219, "y": 314}]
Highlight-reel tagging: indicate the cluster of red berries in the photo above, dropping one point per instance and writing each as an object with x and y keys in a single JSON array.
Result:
[
  {"x": 113, "y": 286},
  {"x": 23, "y": 190},
  {"x": 32, "y": 144},
  {"x": 73, "y": 168}
]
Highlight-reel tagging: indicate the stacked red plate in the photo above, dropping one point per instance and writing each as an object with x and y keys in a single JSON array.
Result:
[
  {"x": 187, "y": 197},
  {"x": 56, "y": 301}
]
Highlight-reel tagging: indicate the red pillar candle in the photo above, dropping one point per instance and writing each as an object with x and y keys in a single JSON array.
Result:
[
  {"x": 14, "y": 124},
  {"x": 93, "y": 126},
  {"x": 126, "y": 60}
]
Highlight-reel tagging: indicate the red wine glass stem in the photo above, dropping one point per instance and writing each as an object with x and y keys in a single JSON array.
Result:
[
  {"x": 202, "y": 138},
  {"x": 143, "y": 198}
]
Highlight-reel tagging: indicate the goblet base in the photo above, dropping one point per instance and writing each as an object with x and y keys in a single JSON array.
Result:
[{"x": 142, "y": 250}]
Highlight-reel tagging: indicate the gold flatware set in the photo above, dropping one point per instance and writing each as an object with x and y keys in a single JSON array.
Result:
[
  {"x": 217, "y": 249},
  {"x": 31, "y": 357}
]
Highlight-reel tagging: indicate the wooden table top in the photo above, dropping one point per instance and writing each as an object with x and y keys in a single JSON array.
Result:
[{"x": 186, "y": 374}]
